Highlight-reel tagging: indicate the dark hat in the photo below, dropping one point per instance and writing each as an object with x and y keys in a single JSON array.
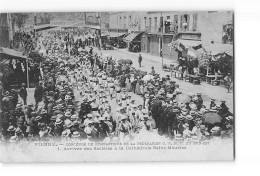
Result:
[
  {"x": 82, "y": 126},
  {"x": 20, "y": 121},
  {"x": 42, "y": 125}
]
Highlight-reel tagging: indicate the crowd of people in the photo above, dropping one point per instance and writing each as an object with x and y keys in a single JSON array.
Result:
[{"x": 84, "y": 96}]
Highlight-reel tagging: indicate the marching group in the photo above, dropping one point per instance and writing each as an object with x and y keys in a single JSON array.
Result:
[{"x": 59, "y": 114}]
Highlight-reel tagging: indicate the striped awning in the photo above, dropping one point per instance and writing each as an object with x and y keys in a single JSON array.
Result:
[
  {"x": 189, "y": 43},
  {"x": 131, "y": 36},
  {"x": 218, "y": 48},
  {"x": 44, "y": 27},
  {"x": 116, "y": 34}
]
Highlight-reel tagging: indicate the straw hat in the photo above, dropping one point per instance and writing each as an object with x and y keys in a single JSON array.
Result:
[
  {"x": 58, "y": 121},
  {"x": 68, "y": 114},
  {"x": 215, "y": 129},
  {"x": 194, "y": 139},
  {"x": 75, "y": 134},
  {"x": 178, "y": 137},
  {"x": 181, "y": 117},
  {"x": 189, "y": 117},
  {"x": 11, "y": 128},
  {"x": 13, "y": 139},
  {"x": 53, "y": 118},
  {"x": 64, "y": 133},
  {"x": 37, "y": 118},
  {"x": 202, "y": 127},
  {"x": 74, "y": 117}
]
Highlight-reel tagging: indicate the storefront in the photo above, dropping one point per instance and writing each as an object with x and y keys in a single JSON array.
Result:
[
  {"x": 152, "y": 43},
  {"x": 116, "y": 37},
  {"x": 133, "y": 41}
]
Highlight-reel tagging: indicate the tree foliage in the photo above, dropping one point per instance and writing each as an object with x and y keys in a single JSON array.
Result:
[
  {"x": 225, "y": 64},
  {"x": 19, "y": 19},
  {"x": 6, "y": 72}
]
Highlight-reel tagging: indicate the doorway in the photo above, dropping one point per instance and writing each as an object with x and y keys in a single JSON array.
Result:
[{"x": 148, "y": 44}]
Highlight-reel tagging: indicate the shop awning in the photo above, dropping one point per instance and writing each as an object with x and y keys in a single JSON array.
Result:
[
  {"x": 189, "y": 43},
  {"x": 11, "y": 53},
  {"x": 43, "y": 27},
  {"x": 218, "y": 48},
  {"x": 116, "y": 34},
  {"x": 97, "y": 27},
  {"x": 131, "y": 36}
]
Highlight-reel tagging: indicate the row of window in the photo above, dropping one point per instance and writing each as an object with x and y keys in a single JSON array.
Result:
[
  {"x": 172, "y": 24},
  {"x": 156, "y": 23},
  {"x": 122, "y": 21}
]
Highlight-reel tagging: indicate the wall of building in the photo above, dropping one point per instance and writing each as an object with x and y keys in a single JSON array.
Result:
[
  {"x": 126, "y": 20},
  {"x": 167, "y": 51},
  {"x": 211, "y": 25}
]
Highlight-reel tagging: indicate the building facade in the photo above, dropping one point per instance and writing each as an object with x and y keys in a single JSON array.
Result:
[
  {"x": 211, "y": 29},
  {"x": 128, "y": 26},
  {"x": 164, "y": 27}
]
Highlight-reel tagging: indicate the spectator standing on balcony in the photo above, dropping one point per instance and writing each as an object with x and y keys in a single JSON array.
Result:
[{"x": 140, "y": 60}]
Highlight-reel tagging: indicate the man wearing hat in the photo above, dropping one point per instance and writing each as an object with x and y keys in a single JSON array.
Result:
[
  {"x": 51, "y": 125},
  {"x": 33, "y": 125},
  {"x": 212, "y": 103},
  {"x": 14, "y": 94},
  {"x": 29, "y": 110},
  {"x": 163, "y": 119},
  {"x": 199, "y": 101},
  {"x": 58, "y": 128},
  {"x": 23, "y": 93},
  {"x": 10, "y": 132},
  {"x": 171, "y": 120},
  {"x": 103, "y": 129},
  {"x": 38, "y": 93},
  {"x": 94, "y": 134},
  {"x": 82, "y": 132},
  {"x": 190, "y": 121}
]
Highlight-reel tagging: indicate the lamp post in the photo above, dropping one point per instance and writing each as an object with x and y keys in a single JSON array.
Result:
[
  {"x": 99, "y": 19},
  {"x": 161, "y": 49}
]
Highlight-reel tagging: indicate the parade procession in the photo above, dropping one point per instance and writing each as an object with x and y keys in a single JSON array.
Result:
[{"x": 68, "y": 86}]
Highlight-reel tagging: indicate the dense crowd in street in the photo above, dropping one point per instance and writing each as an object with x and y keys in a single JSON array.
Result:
[{"x": 72, "y": 71}]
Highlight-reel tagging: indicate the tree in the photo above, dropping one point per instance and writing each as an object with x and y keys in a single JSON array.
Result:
[
  {"x": 45, "y": 18},
  {"x": 225, "y": 64},
  {"x": 19, "y": 19}
]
